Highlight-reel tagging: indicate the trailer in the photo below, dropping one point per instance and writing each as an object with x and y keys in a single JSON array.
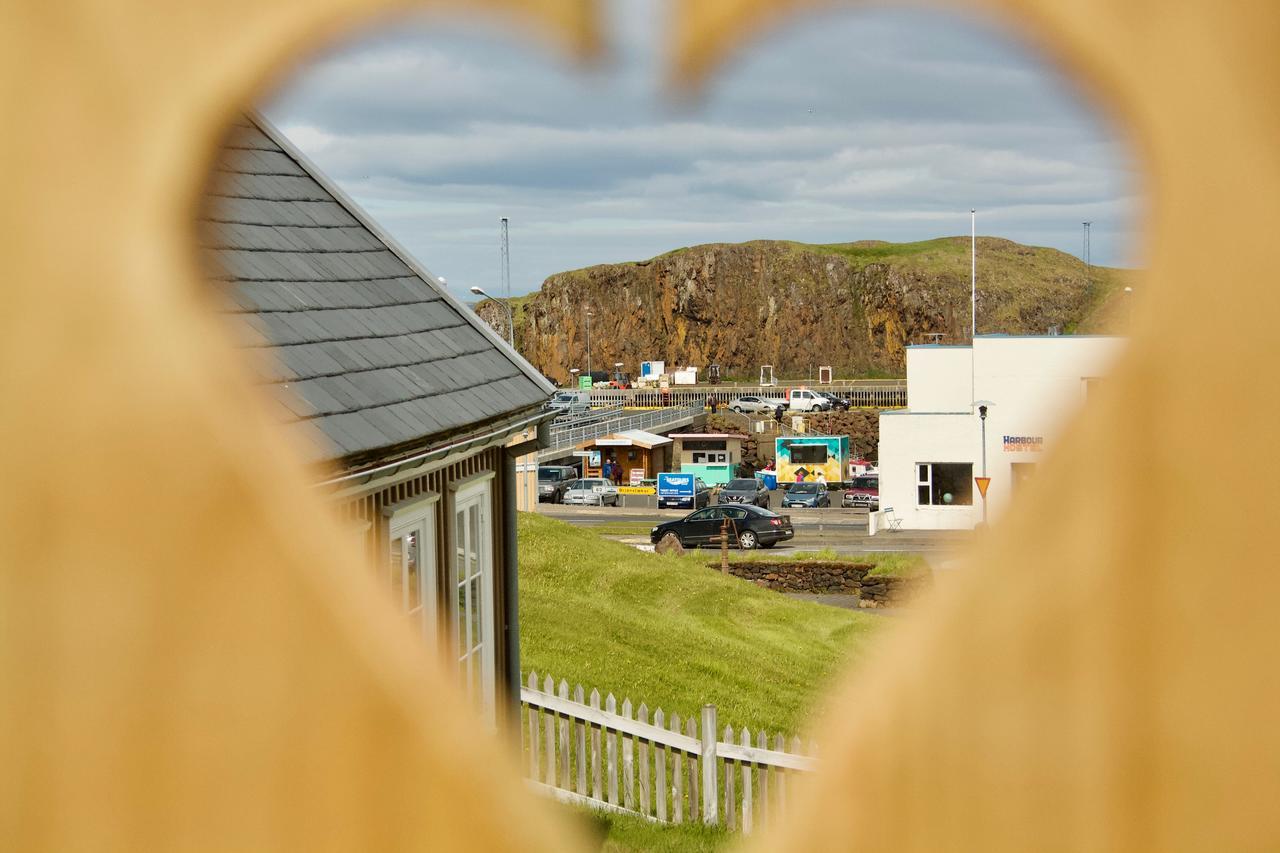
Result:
[{"x": 803, "y": 457}]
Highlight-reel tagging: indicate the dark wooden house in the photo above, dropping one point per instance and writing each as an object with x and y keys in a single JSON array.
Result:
[{"x": 413, "y": 406}]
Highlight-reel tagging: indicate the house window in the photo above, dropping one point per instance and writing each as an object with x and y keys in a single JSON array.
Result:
[
  {"x": 808, "y": 454},
  {"x": 411, "y": 567},
  {"x": 706, "y": 458},
  {"x": 944, "y": 484},
  {"x": 471, "y": 603}
]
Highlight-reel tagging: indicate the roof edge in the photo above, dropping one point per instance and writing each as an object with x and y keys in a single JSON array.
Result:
[{"x": 349, "y": 204}]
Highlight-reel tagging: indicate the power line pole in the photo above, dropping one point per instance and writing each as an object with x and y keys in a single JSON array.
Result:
[
  {"x": 506, "y": 262},
  {"x": 1088, "y": 260},
  {"x": 973, "y": 273}
]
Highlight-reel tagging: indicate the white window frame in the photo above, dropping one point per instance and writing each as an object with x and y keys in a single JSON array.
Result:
[
  {"x": 419, "y": 518},
  {"x": 928, "y": 482},
  {"x": 476, "y": 495}
]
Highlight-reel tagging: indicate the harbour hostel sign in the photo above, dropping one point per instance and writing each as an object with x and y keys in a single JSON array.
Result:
[{"x": 1023, "y": 443}]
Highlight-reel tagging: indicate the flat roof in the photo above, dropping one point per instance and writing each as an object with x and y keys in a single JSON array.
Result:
[
  {"x": 631, "y": 437},
  {"x": 705, "y": 435}
]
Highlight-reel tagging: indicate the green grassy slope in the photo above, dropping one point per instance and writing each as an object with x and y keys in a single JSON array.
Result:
[{"x": 671, "y": 632}]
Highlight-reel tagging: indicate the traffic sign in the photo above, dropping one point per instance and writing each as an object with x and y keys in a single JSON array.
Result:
[{"x": 982, "y": 482}]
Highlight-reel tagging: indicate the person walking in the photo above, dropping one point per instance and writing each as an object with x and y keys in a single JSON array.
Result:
[
  {"x": 822, "y": 477},
  {"x": 712, "y": 402},
  {"x": 777, "y": 416}
]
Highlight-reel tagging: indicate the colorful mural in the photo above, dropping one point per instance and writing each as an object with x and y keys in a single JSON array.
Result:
[{"x": 807, "y": 455}]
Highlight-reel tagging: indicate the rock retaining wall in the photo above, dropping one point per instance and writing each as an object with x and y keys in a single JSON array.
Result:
[
  {"x": 888, "y": 592},
  {"x": 829, "y": 579},
  {"x": 808, "y": 576}
]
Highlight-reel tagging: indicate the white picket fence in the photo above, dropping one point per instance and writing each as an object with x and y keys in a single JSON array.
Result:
[{"x": 663, "y": 769}]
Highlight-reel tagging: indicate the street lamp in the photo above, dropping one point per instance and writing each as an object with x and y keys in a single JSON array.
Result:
[
  {"x": 511, "y": 318},
  {"x": 573, "y": 377},
  {"x": 589, "y": 343},
  {"x": 983, "y": 405}
]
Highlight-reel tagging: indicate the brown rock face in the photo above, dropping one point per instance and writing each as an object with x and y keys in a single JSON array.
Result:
[{"x": 853, "y": 306}]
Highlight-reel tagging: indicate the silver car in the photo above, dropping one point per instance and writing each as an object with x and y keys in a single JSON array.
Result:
[
  {"x": 591, "y": 492},
  {"x": 759, "y": 405}
]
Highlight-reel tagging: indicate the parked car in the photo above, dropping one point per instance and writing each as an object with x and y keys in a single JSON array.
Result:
[
  {"x": 676, "y": 491},
  {"x": 591, "y": 491},
  {"x": 571, "y": 402},
  {"x": 753, "y": 526},
  {"x": 749, "y": 403},
  {"x": 553, "y": 480},
  {"x": 747, "y": 490},
  {"x": 837, "y": 402},
  {"x": 864, "y": 491},
  {"x": 806, "y": 495},
  {"x": 804, "y": 400}
]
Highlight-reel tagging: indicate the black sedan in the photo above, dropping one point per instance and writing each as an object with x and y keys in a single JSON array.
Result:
[
  {"x": 749, "y": 525},
  {"x": 807, "y": 495},
  {"x": 744, "y": 491}
]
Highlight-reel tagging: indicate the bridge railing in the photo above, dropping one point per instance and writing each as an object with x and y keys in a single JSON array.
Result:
[
  {"x": 655, "y": 418},
  {"x": 888, "y": 394}
]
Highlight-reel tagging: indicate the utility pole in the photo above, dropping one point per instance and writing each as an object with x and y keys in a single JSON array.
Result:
[
  {"x": 1088, "y": 260},
  {"x": 506, "y": 262},
  {"x": 589, "y": 343},
  {"x": 973, "y": 273}
]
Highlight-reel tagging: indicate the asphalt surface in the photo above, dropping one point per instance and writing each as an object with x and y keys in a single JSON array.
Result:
[{"x": 841, "y": 530}]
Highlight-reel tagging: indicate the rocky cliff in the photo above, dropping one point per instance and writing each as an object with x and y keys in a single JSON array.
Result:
[{"x": 854, "y": 306}]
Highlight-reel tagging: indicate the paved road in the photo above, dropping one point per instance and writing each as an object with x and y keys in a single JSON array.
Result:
[{"x": 841, "y": 530}]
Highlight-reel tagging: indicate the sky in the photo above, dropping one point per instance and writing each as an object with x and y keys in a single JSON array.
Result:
[{"x": 846, "y": 125}]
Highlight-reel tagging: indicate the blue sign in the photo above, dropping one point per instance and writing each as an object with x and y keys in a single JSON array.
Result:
[{"x": 675, "y": 485}]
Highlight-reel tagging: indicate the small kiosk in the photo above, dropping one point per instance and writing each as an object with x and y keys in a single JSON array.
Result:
[
  {"x": 632, "y": 450},
  {"x": 713, "y": 456}
]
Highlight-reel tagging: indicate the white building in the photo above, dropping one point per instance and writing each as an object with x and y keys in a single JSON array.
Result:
[{"x": 931, "y": 451}]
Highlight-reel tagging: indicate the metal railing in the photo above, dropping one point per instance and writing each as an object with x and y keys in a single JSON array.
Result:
[
  {"x": 885, "y": 394},
  {"x": 655, "y": 419},
  {"x": 587, "y": 416}
]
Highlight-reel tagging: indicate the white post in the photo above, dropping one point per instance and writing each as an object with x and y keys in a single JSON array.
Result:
[{"x": 710, "y": 766}]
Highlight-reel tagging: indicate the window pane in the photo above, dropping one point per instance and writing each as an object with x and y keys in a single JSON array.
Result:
[
  {"x": 922, "y": 495},
  {"x": 395, "y": 560},
  {"x": 477, "y": 637},
  {"x": 413, "y": 572},
  {"x": 922, "y": 473},
  {"x": 809, "y": 454},
  {"x": 952, "y": 484}
]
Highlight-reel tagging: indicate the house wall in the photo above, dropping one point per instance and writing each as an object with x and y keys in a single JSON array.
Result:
[
  {"x": 1034, "y": 385},
  {"x": 939, "y": 378},
  {"x": 370, "y": 512}
]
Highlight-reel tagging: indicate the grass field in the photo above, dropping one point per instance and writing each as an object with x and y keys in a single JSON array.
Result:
[
  {"x": 670, "y": 632},
  {"x": 673, "y": 633}
]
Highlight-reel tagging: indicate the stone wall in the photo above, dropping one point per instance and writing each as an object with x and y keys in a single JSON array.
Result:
[
  {"x": 808, "y": 576},
  {"x": 890, "y": 592},
  {"x": 829, "y": 578}
]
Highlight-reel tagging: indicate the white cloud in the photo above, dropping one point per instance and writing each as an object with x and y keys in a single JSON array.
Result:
[{"x": 851, "y": 126}]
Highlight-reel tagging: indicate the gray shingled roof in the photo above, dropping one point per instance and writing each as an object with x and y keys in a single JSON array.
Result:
[{"x": 360, "y": 351}]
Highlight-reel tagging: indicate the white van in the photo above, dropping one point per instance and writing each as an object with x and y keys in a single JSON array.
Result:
[
  {"x": 571, "y": 402},
  {"x": 804, "y": 400}
]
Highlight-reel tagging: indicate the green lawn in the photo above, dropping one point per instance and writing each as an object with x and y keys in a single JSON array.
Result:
[{"x": 671, "y": 632}]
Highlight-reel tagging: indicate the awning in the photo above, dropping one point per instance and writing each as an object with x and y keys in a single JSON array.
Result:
[{"x": 633, "y": 438}]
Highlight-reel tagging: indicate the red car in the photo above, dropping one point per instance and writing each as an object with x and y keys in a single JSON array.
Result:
[{"x": 865, "y": 491}]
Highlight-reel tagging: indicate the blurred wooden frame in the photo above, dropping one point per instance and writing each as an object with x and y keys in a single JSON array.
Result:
[{"x": 188, "y": 661}]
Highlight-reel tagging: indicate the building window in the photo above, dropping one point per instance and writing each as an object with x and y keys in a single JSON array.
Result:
[
  {"x": 808, "y": 454},
  {"x": 411, "y": 567},
  {"x": 709, "y": 458},
  {"x": 944, "y": 484},
  {"x": 471, "y": 604}
]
